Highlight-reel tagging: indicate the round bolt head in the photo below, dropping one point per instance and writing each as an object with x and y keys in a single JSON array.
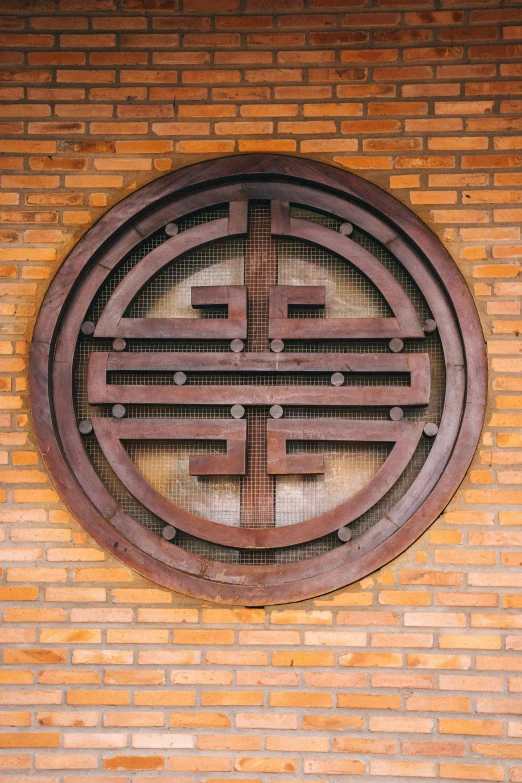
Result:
[
  {"x": 277, "y": 345},
  {"x": 276, "y": 411},
  {"x": 396, "y": 414},
  {"x": 344, "y": 533},
  {"x": 429, "y": 325},
  {"x": 85, "y": 427},
  {"x": 119, "y": 344},
  {"x": 169, "y": 532},
  {"x": 171, "y": 229},
  {"x": 237, "y": 411},
  {"x": 337, "y": 379},
  {"x": 396, "y": 345},
  {"x": 346, "y": 229},
  {"x": 118, "y": 411},
  {"x": 87, "y": 327},
  {"x": 180, "y": 378},
  {"x": 430, "y": 429},
  {"x": 237, "y": 345}
]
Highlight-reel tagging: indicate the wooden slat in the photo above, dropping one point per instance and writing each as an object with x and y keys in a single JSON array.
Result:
[
  {"x": 405, "y": 323},
  {"x": 417, "y": 393},
  {"x": 230, "y": 430},
  {"x": 112, "y": 322}
]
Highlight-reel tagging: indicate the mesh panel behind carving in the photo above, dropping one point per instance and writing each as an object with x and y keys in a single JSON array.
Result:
[{"x": 286, "y": 500}]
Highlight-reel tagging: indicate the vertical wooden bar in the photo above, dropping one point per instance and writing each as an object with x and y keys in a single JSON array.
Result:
[{"x": 257, "y": 487}]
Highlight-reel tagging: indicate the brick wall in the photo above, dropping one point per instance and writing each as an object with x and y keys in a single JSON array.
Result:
[{"x": 416, "y": 671}]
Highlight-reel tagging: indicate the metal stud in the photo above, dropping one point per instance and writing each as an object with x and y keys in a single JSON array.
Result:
[
  {"x": 171, "y": 229},
  {"x": 237, "y": 411},
  {"x": 430, "y": 429},
  {"x": 118, "y": 411},
  {"x": 87, "y": 327},
  {"x": 119, "y": 344},
  {"x": 429, "y": 325},
  {"x": 85, "y": 427},
  {"x": 169, "y": 532},
  {"x": 344, "y": 533},
  {"x": 277, "y": 345},
  {"x": 180, "y": 378},
  {"x": 396, "y": 344},
  {"x": 237, "y": 345},
  {"x": 276, "y": 411},
  {"x": 346, "y": 229},
  {"x": 337, "y": 379},
  {"x": 396, "y": 414}
]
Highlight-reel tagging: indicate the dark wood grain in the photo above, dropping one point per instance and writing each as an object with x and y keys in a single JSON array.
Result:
[{"x": 417, "y": 365}]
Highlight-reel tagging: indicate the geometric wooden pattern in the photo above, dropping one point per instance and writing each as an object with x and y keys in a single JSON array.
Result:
[{"x": 262, "y": 373}]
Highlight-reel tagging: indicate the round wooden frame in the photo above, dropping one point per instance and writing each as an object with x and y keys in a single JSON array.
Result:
[{"x": 281, "y": 179}]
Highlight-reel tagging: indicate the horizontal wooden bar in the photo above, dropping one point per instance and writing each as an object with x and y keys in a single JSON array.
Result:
[
  {"x": 182, "y": 328},
  {"x": 110, "y": 432},
  {"x": 209, "y": 361},
  {"x": 417, "y": 393},
  {"x": 280, "y": 431}
]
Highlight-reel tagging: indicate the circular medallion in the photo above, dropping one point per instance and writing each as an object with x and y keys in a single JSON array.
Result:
[{"x": 250, "y": 379}]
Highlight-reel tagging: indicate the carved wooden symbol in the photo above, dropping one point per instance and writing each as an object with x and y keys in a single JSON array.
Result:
[{"x": 257, "y": 360}]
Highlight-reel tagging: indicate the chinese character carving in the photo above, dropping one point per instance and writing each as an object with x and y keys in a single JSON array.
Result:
[{"x": 315, "y": 380}]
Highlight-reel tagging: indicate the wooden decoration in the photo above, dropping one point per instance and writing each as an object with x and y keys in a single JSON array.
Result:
[{"x": 260, "y": 374}]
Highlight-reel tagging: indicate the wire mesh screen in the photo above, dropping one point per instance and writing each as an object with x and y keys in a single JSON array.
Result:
[
  {"x": 348, "y": 467},
  {"x": 168, "y": 294},
  {"x": 165, "y": 465},
  {"x": 347, "y": 293},
  {"x": 258, "y": 499}
]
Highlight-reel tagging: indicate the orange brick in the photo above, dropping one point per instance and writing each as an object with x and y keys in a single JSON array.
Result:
[
  {"x": 105, "y": 698},
  {"x": 438, "y": 703},
  {"x": 199, "y": 763},
  {"x": 188, "y": 720},
  {"x": 377, "y": 746},
  {"x": 368, "y": 702},
  {"x": 134, "y": 762},
  {"x": 333, "y": 767},
  {"x": 381, "y": 660},
  {"x": 421, "y": 769},
  {"x": 330, "y": 723},
  {"x": 433, "y": 748},
  {"x": 201, "y": 636},
  {"x": 291, "y": 699},
  {"x": 225, "y": 742},
  {"x": 231, "y": 698},
  {"x": 267, "y": 677},
  {"x": 487, "y": 728},
  {"x": 431, "y": 578},
  {"x": 435, "y": 661},
  {"x": 143, "y": 596},
  {"x": 164, "y": 698},
  {"x": 303, "y": 659},
  {"x": 470, "y": 772},
  {"x": 457, "y": 682},
  {"x": 403, "y": 598}
]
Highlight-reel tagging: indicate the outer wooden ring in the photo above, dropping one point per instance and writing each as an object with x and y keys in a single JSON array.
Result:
[{"x": 169, "y": 565}]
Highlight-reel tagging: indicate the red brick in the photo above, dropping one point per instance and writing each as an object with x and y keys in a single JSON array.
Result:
[{"x": 370, "y": 20}]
